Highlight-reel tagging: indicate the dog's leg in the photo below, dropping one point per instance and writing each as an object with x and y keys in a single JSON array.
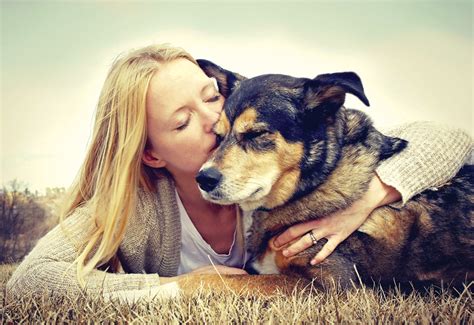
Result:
[{"x": 253, "y": 285}]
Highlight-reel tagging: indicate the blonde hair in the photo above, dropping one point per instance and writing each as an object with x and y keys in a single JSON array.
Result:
[{"x": 113, "y": 170}]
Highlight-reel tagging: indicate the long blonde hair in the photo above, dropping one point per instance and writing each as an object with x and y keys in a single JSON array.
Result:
[{"x": 113, "y": 170}]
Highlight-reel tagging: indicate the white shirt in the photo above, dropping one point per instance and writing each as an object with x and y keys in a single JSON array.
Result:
[{"x": 196, "y": 252}]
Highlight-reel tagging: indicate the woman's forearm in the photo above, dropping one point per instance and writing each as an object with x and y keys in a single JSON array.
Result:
[{"x": 434, "y": 154}]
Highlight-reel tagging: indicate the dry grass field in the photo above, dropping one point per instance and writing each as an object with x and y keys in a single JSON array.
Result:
[{"x": 359, "y": 305}]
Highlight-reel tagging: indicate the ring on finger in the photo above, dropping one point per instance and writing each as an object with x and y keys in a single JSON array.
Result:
[{"x": 313, "y": 238}]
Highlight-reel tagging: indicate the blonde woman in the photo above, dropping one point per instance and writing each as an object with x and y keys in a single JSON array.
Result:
[{"x": 135, "y": 202}]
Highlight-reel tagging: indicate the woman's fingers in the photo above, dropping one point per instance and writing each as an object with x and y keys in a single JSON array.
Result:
[
  {"x": 306, "y": 241},
  {"x": 303, "y": 243},
  {"x": 328, "y": 248},
  {"x": 294, "y": 232},
  {"x": 298, "y": 246}
]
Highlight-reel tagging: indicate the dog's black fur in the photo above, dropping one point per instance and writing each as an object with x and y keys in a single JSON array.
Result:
[{"x": 429, "y": 240}]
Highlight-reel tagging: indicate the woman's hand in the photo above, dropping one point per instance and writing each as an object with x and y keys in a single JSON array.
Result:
[
  {"x": 221, "y": 269},
  {"x": 338, "y": 226}
]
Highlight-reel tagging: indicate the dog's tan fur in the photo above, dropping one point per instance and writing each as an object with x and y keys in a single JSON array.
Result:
[
  {"x": 248, "y": 285},
  {"x": 222, "y": 126},
  {"x": 288, "y": 156}
]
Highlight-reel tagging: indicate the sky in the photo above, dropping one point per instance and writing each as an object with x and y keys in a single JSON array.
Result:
[{"x": 414, "y": 59}]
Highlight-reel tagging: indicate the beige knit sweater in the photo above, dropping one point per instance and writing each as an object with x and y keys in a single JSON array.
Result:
[{"x": 151, "y": 246}]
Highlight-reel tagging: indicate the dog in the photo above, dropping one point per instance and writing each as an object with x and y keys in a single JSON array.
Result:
[{"x": 291, "y": 151}]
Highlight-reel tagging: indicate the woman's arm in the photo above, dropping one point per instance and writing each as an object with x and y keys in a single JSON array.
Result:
[
  {"x": 49, "y": 267},
  {"x": 337, "y": 226},
  {"x": 433, "y": 156}
]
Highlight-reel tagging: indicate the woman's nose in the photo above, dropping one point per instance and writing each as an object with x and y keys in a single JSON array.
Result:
[
  {"x": 209, "y": 123},
  {"x": 209, "y": 118}
]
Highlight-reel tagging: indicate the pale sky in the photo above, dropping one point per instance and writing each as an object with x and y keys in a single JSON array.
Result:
[{"x": 414, "y": 58}]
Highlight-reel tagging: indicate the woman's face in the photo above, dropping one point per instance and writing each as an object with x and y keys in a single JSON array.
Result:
[{"x": 182, "y": 106}]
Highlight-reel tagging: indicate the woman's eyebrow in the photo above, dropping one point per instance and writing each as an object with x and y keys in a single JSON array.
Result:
[
  {"x": 210, "y": 84},
  {"x": 172, "y": 120}
]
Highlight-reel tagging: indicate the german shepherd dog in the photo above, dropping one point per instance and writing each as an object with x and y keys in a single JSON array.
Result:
[{"x": 292, "y": 152}]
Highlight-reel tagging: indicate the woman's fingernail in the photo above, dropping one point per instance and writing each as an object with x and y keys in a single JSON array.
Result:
[
  {"x": 313, "y": 262},
  {"x": 285, "y": 252}
]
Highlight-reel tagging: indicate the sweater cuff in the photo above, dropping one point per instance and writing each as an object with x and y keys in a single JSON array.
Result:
[
  {"x": 433, "y": 156},
  {"x": 141, "y": 286}
]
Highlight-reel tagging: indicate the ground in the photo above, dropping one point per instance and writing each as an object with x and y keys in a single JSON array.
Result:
[{"x": 359, "y": 305}]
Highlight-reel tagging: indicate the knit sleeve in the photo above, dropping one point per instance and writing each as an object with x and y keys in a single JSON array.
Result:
[
  {"x": 49, "y": 268},
  {"x": 434, "y": 155}
]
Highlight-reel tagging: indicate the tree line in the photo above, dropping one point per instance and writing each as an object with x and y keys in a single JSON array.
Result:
[{"x": 25, "y": 217}]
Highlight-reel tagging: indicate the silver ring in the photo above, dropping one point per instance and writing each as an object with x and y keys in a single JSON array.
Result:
[{"x": 313, "y": 238}]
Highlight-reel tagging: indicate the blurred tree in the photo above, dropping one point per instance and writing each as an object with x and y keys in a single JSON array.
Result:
[{"x": 24, "y": 218}]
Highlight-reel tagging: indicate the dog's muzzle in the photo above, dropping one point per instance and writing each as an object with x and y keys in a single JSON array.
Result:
[{"x": 208, "y": 179}]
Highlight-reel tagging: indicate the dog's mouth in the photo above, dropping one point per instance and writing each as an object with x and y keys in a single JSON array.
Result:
[
  {"x": 218, "y": 187},
  {"x": 216, "y": 196},
  {"x": 258, "y": 190}
]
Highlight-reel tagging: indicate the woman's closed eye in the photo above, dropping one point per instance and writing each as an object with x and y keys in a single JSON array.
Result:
[
  {"x": 184, "y": 124},
  {"x": 214, "y": 98}
]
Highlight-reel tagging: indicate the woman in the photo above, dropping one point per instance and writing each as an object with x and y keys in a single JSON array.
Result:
[{"x": 136, "y": 204}]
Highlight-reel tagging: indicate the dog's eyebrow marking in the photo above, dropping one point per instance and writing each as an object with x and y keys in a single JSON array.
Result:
[
  {"x": 257, "y": 127},
  {"x": 222, "y": 126},
  {"x": 246, "y": 120}
]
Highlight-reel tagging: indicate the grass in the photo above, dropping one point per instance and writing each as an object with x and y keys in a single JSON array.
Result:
[{"x": 359, "y": 305}]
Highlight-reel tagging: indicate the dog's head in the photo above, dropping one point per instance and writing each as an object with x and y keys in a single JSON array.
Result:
[{"x": 270, "y": 128}]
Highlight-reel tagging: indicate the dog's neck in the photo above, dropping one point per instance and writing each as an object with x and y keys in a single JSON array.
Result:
[{"x": 345, "y": 182}]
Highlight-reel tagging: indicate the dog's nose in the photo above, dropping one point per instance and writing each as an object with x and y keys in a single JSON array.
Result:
[{"x": 208, "y": 179}]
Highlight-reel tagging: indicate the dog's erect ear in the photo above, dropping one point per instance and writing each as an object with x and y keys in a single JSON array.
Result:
[
  {"x": 226, "y": 80},
  {"x": 328, "y": 91},
  {"x": 391, "y": 146}
]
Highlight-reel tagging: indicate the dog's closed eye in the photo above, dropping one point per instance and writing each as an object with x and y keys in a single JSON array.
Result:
[{"x": 252, "y": 135}]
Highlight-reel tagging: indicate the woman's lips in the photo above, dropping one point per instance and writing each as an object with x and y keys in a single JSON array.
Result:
[{"x": 214, "y": 147}]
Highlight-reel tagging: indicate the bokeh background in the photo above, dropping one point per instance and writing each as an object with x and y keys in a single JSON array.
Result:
[{"x": 414, "y": 57}]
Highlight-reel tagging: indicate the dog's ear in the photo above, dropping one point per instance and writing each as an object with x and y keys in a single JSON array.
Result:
[
  {"x": 391, "y": 146},
  {"x": 328, "y": 91},
  {"x": 226, "y": 80}
]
